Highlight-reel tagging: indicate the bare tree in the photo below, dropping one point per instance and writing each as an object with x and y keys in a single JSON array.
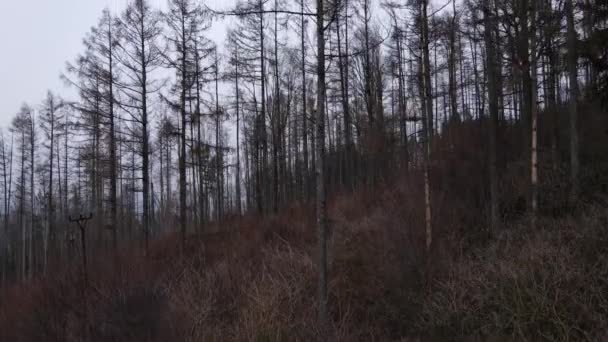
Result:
[
  {"x": 572, "y": 64},
  {"x": 493, "y": 107},
  {"x": 139, "y": 55}
]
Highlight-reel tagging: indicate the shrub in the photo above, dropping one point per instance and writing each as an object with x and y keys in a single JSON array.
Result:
[{"x": 548, "y": 284}]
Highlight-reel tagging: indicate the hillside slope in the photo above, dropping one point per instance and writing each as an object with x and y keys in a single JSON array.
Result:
[
  {"x": 257, "y": 282},
  {"x": 254, "y": 278}
]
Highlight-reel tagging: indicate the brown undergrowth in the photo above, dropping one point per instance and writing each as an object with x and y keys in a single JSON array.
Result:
[{"x": 254, "y": 279}]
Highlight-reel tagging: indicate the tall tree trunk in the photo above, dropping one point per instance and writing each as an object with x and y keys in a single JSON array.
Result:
[
  {"x": 572, "y": 104},
  {"x": 524, "y": 66},
  {"x": 427, "y": 122},
  {"x": 452, "y": 67},
  {"x": 262, "y": 123},
  {"x": 113, "y": 163},
  {"x": 32, "y": 194},
  {"x": 50, "y": 204},
  {"x": 238, "y": 146},
  {"x": 199, "y": 141},
  {"x": 493, "y": 107},
  {"x": 276, "y": 117},
  {"x": 182, "y": 141},
  {"x": 218, "y": 148},
  {"x": 320, "y": 169},
  {"x": 348, "y": 140},
  {"x": 305, "y": 182},
  {"x": 534, "y": 116},
  {"x": 145, "y": 148},
  {"x": 369, "y": 100},
  {"x": 22, "y": 204},
  {"x": 402, "y": 101}
]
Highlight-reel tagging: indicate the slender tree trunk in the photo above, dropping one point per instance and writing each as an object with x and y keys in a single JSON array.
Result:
[
  {"x": 50, "y": 206},
  {"x": 238, "y": 131},
  {"x": 262, "y": 125},
  {"x": 452, "y": 67},
  {"x": 113, "y": 163},
  {"x": 305, "y": 182},
  {"x": 348, "y": 140},
  {"x": 534, "y": 116},
  {"x": 402, "y": 102},
  {"x": 493, "y": 104},
  {"x": 524, "y": 65},
  {"x": 32, "y": 194},
  {"x": 145, "y": 147},
  {"x": 22, "y": 205},
  {"x": 572, "y": 104},
  {"x": 218, "y": 148},
  {"x": 427, "y": 123},
  {"x": 182, "y": 136},
  {"x": 320, "y": 169}
]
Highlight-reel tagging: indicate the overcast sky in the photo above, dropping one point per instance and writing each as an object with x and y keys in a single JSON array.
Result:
[{"x": 38, "y": 37}]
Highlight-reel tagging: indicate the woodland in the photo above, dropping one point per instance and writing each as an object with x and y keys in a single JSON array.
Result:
[{"x": 332, "y": 170}]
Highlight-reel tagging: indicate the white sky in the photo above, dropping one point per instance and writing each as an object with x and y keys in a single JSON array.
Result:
[{"x": 39, "y": 36}]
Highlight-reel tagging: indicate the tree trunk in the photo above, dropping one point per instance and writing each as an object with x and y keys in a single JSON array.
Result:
[
  {"x": 572, "y": 104},
  {"x": 427, "y": 123},
  {"x": 305, "y": 182},
  {"x": 182, "y": 141},
  {"x": 493, "y": 104},
  {"x": 534, "y": 117},
  {"x": 320, "y": 169}
]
